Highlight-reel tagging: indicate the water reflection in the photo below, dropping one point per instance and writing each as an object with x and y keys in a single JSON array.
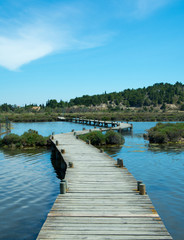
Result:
[
  {"x": 27, "y": 191},
  {"x": 30, "y": 152},
  {"x": 171, "y": 148},
  {"x": 113, "y": 150},
  {"x": 161, "y": 168},
  {"x": 29, "y": 186},
  {"x": 58, "y": 164}
]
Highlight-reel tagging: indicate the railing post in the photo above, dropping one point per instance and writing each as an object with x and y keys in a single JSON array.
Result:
[
  {"x": 120, "y": 162},
  {"x": 66, "y": 183},
  {"x": 138, "y": 184},
  {"x": 63, "y": 151},
  {"x": 62, "y": 187},
  {"x": 142, "y": 189},
  {"x": 70, "y": 164}
]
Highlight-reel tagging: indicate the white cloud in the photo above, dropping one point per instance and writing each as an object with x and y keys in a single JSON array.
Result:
[
  {"x": 45, "y": 32},
  {"x": 38, "y": 31},
  {"x": 16, "y": 52}
]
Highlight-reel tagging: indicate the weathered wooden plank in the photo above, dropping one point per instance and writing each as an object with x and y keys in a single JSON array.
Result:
[
  {"x": 100, "y": 214},
  {"x": 108, "y": 226},
  {"x": 102, "y": 237},
  {"x": 81, "y": 231},
  {"x": 104, "y": 220}
]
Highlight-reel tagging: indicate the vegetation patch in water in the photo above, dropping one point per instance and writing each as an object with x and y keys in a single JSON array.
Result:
[
  {"x": 166, "y": 133},
  {"x": 31, "y": 138},
  {"x": 97, "y": 138}
]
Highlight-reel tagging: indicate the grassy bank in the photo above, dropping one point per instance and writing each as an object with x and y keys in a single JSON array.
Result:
[
  {"x": 29, "y": 117},
  {"x": 132, "y": 116},
  {"x": 103, "y": 115}
]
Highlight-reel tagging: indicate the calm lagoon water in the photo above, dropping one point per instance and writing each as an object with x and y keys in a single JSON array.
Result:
[{"x": 29, "y": 184}]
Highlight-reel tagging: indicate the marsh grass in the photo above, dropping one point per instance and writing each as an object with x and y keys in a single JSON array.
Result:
[
  {"x": 31, "y": 138},
  {"x": 166, "y": 133},
  {"x": 97, "y": 138}
]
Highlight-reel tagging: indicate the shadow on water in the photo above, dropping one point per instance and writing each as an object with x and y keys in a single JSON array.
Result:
[
  {"x": 58, "y": 164},
  {"x": 113, "y": 150}
]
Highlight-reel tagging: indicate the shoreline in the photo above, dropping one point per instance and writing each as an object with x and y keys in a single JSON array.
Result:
[{"x": 104, "y": 116}]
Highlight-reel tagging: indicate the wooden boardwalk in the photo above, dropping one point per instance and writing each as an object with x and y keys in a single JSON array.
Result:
[
  {"x": 101, "y": 202},
  {"x": 98, "y": 123}
]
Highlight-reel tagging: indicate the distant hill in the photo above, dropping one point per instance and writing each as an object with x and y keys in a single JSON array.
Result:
[
  {"x": 160, "y": 97},
  {"x": 158, "y": 94}
]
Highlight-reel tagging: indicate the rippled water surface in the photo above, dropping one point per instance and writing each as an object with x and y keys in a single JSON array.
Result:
[
  {"x": 162, "y": 170},
  {"x": 29, "y": 185}
]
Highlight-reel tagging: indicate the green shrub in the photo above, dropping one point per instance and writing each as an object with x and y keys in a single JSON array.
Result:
[
  {"x": 157, "y": 137},
  {"x": 11, "y": 139},
  {"x": 96, "y": 137},
  {"x": 168, "y": 132},
  {"x": 182, "y": 107},
  {"x": 32, "y": 138},
  {"x": 28, "y": 139},
  {"x": 112, "y": 138}
]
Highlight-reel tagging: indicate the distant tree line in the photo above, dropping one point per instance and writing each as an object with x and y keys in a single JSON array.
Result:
[
  {"x": 158, "y": 94},
  {"x": 151, "y": 96}
]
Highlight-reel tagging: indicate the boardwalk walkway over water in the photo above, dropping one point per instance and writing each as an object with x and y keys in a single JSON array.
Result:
[
  {"x": 98, "y": 123},
  {"x": 101, "y": 201}
]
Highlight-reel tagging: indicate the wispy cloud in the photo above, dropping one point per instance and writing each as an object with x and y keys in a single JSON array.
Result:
[
  {"x": 29, "y": 32},
  {"x": 143, "y": 8},
  {"x": 52, "y": 30},
  {"x": 138, "y": 9},
  {"x": 14, "y": 52}
]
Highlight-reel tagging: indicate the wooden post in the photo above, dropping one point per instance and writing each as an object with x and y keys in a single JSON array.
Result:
[
  {"x": 88, "y": 141},
  {"x": 63, "y": 151},
  {"x": 77, "y": 137},
  {"x": 89, "y": 130},
  {"x": 101, "y": 150},
  {"x": 62, "y": 187},
  {"x": 142, "y": 189},
  {"x": 66, "y": 183},
  {"x": 70, "y": 164},
  {"x": 74, "y": 133},
  {"x": 57, "y": 142},
  {"x": 138, "y": 183},
  {"x": 120, "y": 162},
  {"x": 52, "y": 137},
  {"x": 72, "y": 130}
]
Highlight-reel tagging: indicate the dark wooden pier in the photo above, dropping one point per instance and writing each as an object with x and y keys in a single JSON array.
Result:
[
  {"x": 99, "y": 199},
  {"x": 98, "y": 123}
]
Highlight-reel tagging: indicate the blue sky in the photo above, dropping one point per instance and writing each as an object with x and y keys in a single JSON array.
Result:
[{"x": 62, "y": 49}]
